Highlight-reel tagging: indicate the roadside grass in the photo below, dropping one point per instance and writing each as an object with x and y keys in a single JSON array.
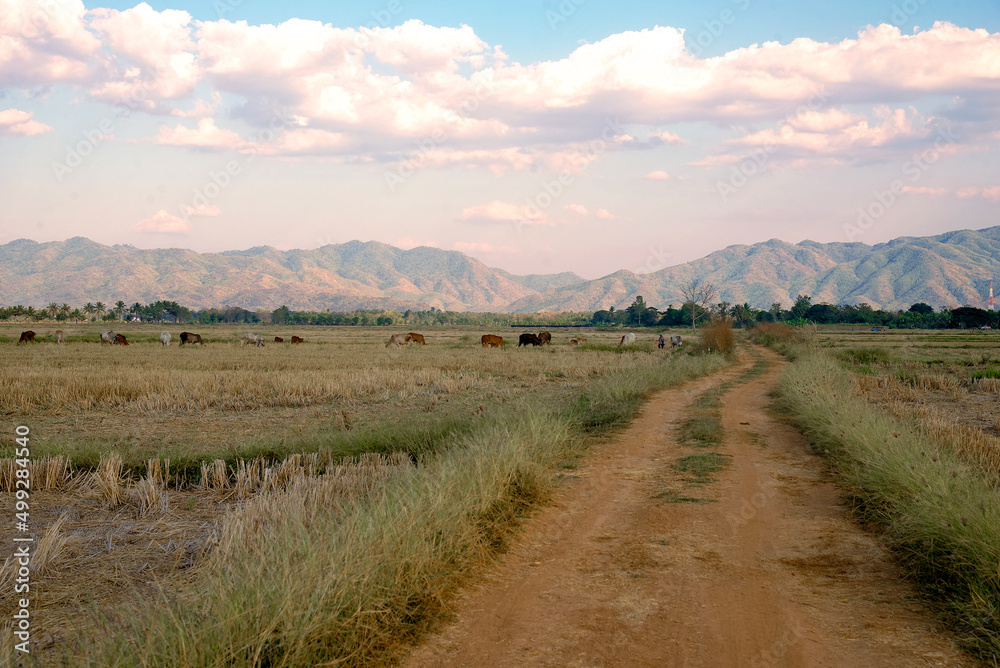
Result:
[
  {"x": 940, "y": 512},
  {"x": 306, "y": 575}
]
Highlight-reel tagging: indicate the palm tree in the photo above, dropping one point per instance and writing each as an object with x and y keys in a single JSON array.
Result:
[
  {"x": 65, "y": 310},
  {"x": 120, "y": 309},
  {"x": 135, "y": 309},
  {"x": 100, "y": 309},
  {"x": 88, "y": 308},
  {"x": 52, "y": 309},
  {"x": 76, "y": 314}
]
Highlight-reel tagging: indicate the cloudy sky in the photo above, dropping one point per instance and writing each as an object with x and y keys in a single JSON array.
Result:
[{"x": 569, "y": 135}]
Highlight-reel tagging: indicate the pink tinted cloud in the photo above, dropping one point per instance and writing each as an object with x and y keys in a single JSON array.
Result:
[
  {"x": 578, "y": 209},
  {"x": 203, "y": 210},
  {"x": 206, "y": 135},
  {"x": 604, "y": 214},
  {"x": 163, "y": 223},
  {"x": 42, "y": 42},
  {"x": 377, "y": 90},
  {"x": 154, "y": 54},
  {"x": 991, "y": 193},
  {"x": 17, "y": 122},
  {"x": 658, "y": 175},
  {"x": 503, "y": 212},
  {"x": 837, "y": 133}
]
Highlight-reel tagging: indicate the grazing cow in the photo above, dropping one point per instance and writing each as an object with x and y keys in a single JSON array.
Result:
[
  {"x": 253, "y": 338},
  {"x": 545, "y": 337},
  {"x": 675, "y": 341},
  {"x": 60, "y": 336},
  {"x": 417, "y": 338},
  {"x": 108, "y": 337},
  {"x": 397, "y": 340},
  {"x": 278, "y": 339},
  {"x": 527, "y": 339},
  {"x": 120, "y": 340},
  {"x": 577, "y": 341},
  {"x": 627, "y": 340},
  {"x": 165, "y": 338},
  {"x": 492, "y": 341},
  {"x": 27, "y": 337},
  {"x": 188, "y": 337},
  {"x": 298, "y": 339}
]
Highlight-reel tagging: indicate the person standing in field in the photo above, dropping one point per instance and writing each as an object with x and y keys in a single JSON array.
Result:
[{"x": 660, "y": 342}]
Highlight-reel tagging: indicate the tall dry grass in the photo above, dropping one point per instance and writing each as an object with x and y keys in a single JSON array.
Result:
[
  {"x": 942, "y": 512},
  {"x": 349, "y": 566}
]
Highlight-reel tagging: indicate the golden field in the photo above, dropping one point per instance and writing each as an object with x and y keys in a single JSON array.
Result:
[{"x": 157, "y": 468}]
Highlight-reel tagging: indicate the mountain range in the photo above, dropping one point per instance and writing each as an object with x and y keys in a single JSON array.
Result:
[{"x": 950, "y": 269}]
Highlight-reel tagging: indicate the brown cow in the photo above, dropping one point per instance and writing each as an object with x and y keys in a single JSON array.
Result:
[
  {"x": 27, "y": 337},
  {"x": 188, "y": 337},
  {"x": 417, "y": 338},
  {"x": 492, "y": 341},
  {"x": 120, "y": 340},
  {"x": 278, "y": 339},
  {"x": 577, "y": 341},
  {"x": 298, "y": 339},
  {"x": 545, "y": 337},
  {"x": 60, "y": 336}
]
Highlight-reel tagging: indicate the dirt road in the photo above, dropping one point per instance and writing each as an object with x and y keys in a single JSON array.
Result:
[{"x": 761, "y": 567}]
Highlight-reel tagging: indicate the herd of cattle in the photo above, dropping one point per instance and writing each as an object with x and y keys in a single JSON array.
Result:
[{"x": 396, "y": 340}]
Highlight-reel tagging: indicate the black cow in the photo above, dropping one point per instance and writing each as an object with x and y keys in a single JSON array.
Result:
[
  {"x": 188, "y": 337},
  {"x": 526, "y": 339}
]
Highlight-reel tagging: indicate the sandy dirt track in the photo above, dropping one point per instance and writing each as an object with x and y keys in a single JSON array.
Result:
[{"x": 769, "y": 570}]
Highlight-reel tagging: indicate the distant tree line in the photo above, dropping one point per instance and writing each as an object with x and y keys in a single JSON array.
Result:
[
  {"x": 803, "y": 311},
  {"x": 697, "y": 308}
]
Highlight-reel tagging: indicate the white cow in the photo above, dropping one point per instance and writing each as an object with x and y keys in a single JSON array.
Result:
[
  {"x": 109, "y": 337},
  {"x": 165, "y": 338},
  {"x": 627, "y": 340},
  {"x": 675, "y": 341},
  {"x": 397, "y": 340},
  {"x": 60, "y": 336},
  {"x": 254, "y": 338}
]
